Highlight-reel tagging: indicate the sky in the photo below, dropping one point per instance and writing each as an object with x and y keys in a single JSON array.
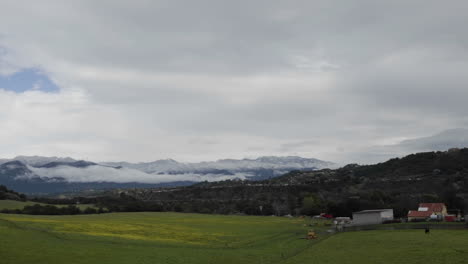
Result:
[{"x": 344, "y": 81}]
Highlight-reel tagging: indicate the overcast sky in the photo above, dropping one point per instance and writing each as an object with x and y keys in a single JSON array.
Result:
[{"x": 203, "y": 80}]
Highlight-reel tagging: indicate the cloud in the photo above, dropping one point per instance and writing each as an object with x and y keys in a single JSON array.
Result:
[
  {"x": 157, "y": 79},
  {"x": 98, "y": 173},
  {"x": 442, "y": 141},
  {"x": 452, "y": 138}
]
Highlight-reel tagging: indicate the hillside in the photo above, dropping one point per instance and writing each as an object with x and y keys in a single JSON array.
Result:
[
  {"x": 6, "y": 194},
  {"x": 398, "y": 183}
]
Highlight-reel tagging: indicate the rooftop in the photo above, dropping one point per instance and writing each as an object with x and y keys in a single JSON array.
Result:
[
  {"x": 419, "y": 213},
  {"x": 432, "y": 207}
]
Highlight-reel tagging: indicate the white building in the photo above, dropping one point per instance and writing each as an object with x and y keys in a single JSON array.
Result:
[{"x": 372, "y": 217}]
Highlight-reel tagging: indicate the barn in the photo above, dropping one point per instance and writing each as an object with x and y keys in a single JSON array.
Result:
[{"x": 372, "y": 217}]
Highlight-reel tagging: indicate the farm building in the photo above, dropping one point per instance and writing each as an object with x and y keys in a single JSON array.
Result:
[
  {"x": 371, "y": 217},
  {"x": 436, "y": 211}
]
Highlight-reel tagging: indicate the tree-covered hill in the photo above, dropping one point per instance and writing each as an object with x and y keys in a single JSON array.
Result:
[
  {"x": 6, "y": 194},
  {"x": 399, "y": 183}
]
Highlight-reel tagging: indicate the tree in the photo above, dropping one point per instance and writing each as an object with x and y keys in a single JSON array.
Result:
[{"x": 312, "y": 205}]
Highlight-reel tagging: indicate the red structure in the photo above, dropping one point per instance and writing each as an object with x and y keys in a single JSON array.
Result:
[
  {"x": 429, "y": 210},
  {"x": 450, "y": 218}
]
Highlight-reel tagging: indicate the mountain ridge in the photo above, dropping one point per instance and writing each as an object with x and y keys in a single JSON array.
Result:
[{"x": 56, "y": 174}]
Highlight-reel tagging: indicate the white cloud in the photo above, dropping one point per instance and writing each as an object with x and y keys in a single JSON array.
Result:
[
  {"x": 97, "y": 173},
  {"x": 157, "y": 79}
]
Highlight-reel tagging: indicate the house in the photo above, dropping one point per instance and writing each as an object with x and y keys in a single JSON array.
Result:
[
  {"x": 372, "y": 217},
  {"x": 436, "y": 211}
]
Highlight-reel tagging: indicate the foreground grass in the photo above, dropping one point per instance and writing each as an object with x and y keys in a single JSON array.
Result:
[
  {"x": 11, "y": 204},
  {"x": 396, "y": 246},
  {"x": 149, "y": 238},
  {"x": 193, "y": 238}
]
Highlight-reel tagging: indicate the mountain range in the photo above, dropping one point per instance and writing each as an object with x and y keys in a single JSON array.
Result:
[{"x": 36, "y": 174}]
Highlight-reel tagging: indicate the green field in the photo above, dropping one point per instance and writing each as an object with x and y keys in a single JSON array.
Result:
[
  {"x": 11, "y": 204},
  {"x": 193, "y": 238},
  {"x": 398, "y": 246}
]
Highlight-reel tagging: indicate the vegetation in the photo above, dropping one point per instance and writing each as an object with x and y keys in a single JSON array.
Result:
[
  {"x": 5, "y": 194},
  {"x": 30, "y": 207},
  {"x": 400, "y": 184},
  {"x": 194, "y": 238},
  {"x": 15, "y": 203},
  {"x": 150, "y": 238},
  {"x": 399, "y": 246}
]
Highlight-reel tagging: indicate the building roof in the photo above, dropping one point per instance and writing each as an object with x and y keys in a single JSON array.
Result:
[
  {"x": 419, "y": 213},
  {"x": 372, "y": 211},
  {"x": 433, "y": 207}
]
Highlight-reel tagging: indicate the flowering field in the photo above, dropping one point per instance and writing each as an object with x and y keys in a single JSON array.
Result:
[
  {"x": 150, "y": 238},
  {"x": 195, "y": 238}
]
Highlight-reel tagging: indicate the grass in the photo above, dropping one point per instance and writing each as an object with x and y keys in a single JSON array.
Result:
[
  {"x": 149, "y": 238},
  {"x": 194, "y": 238},
  {"x": 399, "y": 246},
  {"x": 11, "y": 204}
]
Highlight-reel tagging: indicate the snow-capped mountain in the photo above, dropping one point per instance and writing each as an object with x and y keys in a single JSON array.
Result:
[
  {"x": 53, "y": 174},
  {"x": 151, "y": 167},
  {"x": 232, "y": 165}
]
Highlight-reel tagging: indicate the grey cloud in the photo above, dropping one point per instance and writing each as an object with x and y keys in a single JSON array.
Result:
[
  {"x": 291, "y": 146},
  {"x": 258, "y": 77},
  {"x": 443, "y": 141},
  {"x": 453, "y": 138}
]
